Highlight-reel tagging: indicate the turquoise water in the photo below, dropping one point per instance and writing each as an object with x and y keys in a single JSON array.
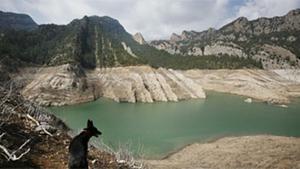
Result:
[{"x": 161, "y": 128}]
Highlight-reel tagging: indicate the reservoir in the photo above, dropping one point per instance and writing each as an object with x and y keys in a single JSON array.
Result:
[{"x": 160, "y": 128}]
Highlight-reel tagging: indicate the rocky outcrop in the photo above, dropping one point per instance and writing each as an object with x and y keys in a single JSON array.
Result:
[
  {"x": 128, "y": 49},
  {"x": 276, "y": 57},
  {"x": 138, "y": 37},
  {"x": 174, "y": 37},
  {"x": 221, "y": 48},
  {"x": 168, "y": 46}
]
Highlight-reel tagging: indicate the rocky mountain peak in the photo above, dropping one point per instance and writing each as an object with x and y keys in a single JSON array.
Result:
[
  {"x": 241, "y": 20},
  {"x": 272, "y": 41},
  {"x": 175, "y": 37},
  {"x": 106, "y": 23},
  {"x": 186, "y": 34},
  {"x": 139, "y": 38},
  {"x": 240, "y": 24}
]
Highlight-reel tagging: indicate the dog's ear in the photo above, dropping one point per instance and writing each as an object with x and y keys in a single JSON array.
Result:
[{"x": 90, "y": 124}]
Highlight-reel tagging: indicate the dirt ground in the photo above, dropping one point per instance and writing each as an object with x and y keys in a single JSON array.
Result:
[
  {"x": 45, "y": 151},
  {"x": 247, "y": 152}
]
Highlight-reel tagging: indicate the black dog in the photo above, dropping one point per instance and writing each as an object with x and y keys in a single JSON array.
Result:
[{"x": 79, "y": 146}]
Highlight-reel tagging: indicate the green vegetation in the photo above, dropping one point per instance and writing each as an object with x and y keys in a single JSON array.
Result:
[
  {"x": 97, "y": 42},
  {"x": 204, "y": 62}
]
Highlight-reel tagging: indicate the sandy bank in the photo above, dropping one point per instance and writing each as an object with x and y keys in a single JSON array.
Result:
[{"x": 245, "y": 152}]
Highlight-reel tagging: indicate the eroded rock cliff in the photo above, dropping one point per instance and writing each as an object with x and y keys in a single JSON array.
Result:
[
  {"x": 68, "y": 84},
  {"x": 61, "y": 85}
]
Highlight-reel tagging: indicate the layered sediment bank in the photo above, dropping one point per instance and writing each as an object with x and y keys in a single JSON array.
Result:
[{"x": 69, "y": 84}]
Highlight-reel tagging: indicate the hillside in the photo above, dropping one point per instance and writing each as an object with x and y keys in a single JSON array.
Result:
[
  {"x": 94, "y": 42},
  {"x": 272, "y": 41},
  {"x": 34, "y": 138},
  {"x": 14, "y": 21}
]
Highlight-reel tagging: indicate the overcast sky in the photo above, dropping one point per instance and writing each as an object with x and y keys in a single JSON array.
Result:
[{"x": 155, "y": 19}]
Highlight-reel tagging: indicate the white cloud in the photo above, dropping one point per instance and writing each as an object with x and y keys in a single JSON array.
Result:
[
  {"x": 155, "y": 19},
  {"x": 253, "y": 9}
]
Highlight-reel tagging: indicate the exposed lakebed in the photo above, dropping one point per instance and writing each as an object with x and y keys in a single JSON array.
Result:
[{"x": 163, "y": 127}]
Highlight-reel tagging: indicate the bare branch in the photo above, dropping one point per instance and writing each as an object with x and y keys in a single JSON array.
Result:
[
  {"x": 123, "y": 154},
  {"x": 20, "y": 156},
  {"x": 24, "y": 144},
  {"x": 38, "y": 124},
  {"x": 33, "y": 119},
  {"x": 2, "y": 135},
  {"x": 12, "y": 156}
]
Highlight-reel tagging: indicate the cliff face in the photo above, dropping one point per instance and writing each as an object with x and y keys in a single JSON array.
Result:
[
  {"x": 68, "y": 84},
  {"x": 272, "y": 41}
]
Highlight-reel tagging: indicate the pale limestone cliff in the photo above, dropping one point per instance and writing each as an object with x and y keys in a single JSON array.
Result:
[
  {"x": 230, "y": 49},
  {"x": 128, "y": 49},
  {"x": 138, "y": 37},
  {"x": 67, "y": 84},
  {"x": 276, "y": 57}
]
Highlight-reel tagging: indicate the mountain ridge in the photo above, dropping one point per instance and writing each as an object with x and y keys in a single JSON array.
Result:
[
  {"x": 97, "y": 42},
  {"x": 9, "y": 20},
  {"x": 243, "y": 38}
]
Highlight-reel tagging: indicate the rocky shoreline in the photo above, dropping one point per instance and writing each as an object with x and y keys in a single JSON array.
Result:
[
  {"x": 260, "y": 152},
  {"x": 70, "y": 84}
]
